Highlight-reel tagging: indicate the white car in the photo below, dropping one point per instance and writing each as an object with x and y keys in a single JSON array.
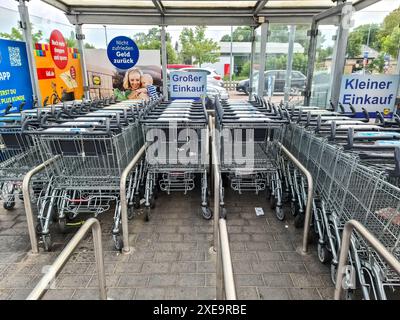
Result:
[
  {"x": 213, "y": 78},
  {"x": 213, "y": 91}
]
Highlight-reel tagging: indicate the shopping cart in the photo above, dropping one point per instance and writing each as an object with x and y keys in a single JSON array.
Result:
[{"x": 176, "y": 134}]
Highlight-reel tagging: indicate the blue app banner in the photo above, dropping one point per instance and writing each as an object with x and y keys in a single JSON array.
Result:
[
  {"x": 187, "y": 85},
  {"x": 123, "y": 52},
  {"x": 15, "y": 81}
]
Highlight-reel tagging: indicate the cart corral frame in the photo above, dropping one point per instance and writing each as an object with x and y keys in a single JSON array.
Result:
[{"x": 257, "y": 14}]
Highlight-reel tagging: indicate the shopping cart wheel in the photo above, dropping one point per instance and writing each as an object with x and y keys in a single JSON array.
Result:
[
  {"x": 8, "y": 205},
  {"x": 272, "y": 202},
  {"x": 294, "y": 208},
  {"x": 136, "y": 202},
  {"x": 299, "y": 221},
  {"x": 222, "y": 213},
  {"x": 147, "y": 215},
  {"x": 131, "y": 212},
  {"x": 206, "y": 213},
  {"x": 47, "y": 243},
  {"x": 118, "y": 243},
  {"x": 62, "y": 225},
  {"x": 324, "y": 254},
  {"x": 280, "y": 213}
]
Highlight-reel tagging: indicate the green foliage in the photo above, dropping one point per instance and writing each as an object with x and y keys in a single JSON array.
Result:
[
  {"x": 245, "y": 72},
  {"x": 240, "y": 34},
  {"x": 354, "y": 44},
  {"x": 377, "y": 64},
  {"x": 152, "y": 40},
  {"x": 16, "y": 34},
  {"x": 196, "y": 46},
  {"x": 391, "y": 43}
]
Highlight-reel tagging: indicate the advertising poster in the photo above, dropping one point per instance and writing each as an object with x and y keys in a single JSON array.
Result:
[
  {"x": 372, "y": 92},
  {"x": 59, "y": 70},
  {"x": 123, "y": 70},
  {"x": 15, "y": 82},
  {"x": 188, "y": 85}
]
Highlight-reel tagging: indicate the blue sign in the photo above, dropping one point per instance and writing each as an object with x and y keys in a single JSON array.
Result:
[
  {"x": 15, "y": 80},
  {"x": 372, "y": 92},
  {"x": 123, "y": 52},
  {"x": 188, "y": 85},
  {"x": 366, "y": 53}
]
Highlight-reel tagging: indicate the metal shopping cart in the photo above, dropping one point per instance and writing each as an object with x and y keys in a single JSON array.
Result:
[{"x": 176, "y": 134}]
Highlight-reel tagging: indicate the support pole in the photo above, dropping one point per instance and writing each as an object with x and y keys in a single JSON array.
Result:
[
  {"x": 27, "y": 34},
  {"x": 79, "y": 37},
  {"x": 253, "y": 51},
  {"x": 340, "y": 57},
  {"x": 164, "y": 62},
  {"x": 261, "y": 76},
  {"x": 312, "y": 53},
  {"x": 288, "y": 78}
]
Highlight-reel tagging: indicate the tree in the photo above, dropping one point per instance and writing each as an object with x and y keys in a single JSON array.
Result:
[
  {"x": 388, "y": 36},
  {"x": 152, "y": 40},
  {"x": 377, "y": 64},
  {"x": 240, "y": 34},
  {"x": 16, "y": 34},
  {"x": 196, "y": 45},
  {"x": 354, "y": 44}
]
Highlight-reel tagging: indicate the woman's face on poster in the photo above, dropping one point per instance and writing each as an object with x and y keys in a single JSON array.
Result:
[{"x": 134, "y": 80}]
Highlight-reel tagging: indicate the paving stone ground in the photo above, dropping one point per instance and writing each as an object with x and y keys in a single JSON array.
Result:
[{"x": 171, "y": 257}]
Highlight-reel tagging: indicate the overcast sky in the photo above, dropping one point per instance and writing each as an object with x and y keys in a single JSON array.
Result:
[{"x": 47, "y": 18}]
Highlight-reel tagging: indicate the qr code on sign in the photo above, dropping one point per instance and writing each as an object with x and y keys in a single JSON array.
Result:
[{"x": 15, "y": 57}]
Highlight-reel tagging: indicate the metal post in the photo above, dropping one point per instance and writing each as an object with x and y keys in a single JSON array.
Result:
[
  {"x": 27, "y": 34},
  {"x": 310, "y": 194},
  {"x": 124, "y": 202},
  {"x": 288, "y": 78},
  {"x": 261, "y": 76},
  {"x": 91, "y": 224},
  {"x": 312, "y": 54},
  {"x": 340, "y": 56},
  {"x": 164, "y": 62},
  {"x": 231, "y": 59},
  {"x": 28, "y": 204},
  {"x": 79, "y": 38},
  {"x": 344, "y": 251},
  {"x": 253, "y": 51},
  {"x": 105, "y": 34}
]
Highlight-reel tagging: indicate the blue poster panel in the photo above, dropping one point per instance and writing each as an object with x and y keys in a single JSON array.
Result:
[{"x": 15, "y": 81}]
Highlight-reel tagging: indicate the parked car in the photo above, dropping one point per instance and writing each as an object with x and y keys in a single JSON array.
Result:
[
  {"x": 213, "y": 78},
  {"x": 215, "y": 91},
  {"x": 298, "y": 81}
]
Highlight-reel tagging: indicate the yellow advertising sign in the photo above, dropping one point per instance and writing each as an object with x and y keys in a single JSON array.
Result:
[{"x": 59, "y": 70}]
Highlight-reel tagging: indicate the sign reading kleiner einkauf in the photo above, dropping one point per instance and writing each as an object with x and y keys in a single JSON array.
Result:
[
  {"x": 15, "y": 81},
  {"x": 372, "y": 92},
  {"x": 187, "y": 85},
  {"x": 123, "y": 52}
]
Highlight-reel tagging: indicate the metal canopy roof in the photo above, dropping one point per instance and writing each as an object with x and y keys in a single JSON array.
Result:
[{"x": 195, "y": 12}]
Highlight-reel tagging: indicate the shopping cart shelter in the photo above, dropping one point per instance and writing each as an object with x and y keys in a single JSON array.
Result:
[{"x": 158, "y": 193}]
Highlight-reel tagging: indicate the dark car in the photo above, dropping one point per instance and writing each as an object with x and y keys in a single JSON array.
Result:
[{"x": 298, "y": 81}]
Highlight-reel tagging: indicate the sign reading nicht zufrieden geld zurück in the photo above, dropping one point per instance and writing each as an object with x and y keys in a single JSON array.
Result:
[
  {"x": 187, "y": 85},
  {"x": 123, "y": 52},
  {"x": 372, "y": 92},
  {"x": 15, "y": 81}
]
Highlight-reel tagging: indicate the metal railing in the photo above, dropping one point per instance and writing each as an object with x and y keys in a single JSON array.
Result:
[
  {"x": 225, "y": 280},
  {"x": 372, "y": 240},
  {"x": 124, "y": 202},
  {"x": 28, "y": 204},
  {"x": 310, "y": 192},
  {"x": 90, "y": 224}
]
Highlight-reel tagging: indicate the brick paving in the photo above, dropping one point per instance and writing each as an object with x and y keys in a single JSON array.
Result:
[{"x": 170, "y": 256}]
